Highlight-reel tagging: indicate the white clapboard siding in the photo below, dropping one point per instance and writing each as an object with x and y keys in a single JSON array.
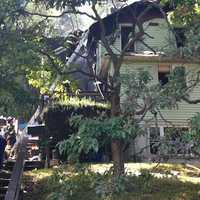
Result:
[
  {"x": 116, "y": 44},
  {"x": 184, "y": 111},
  {"x": 178, "y": 115},
  {"x": 135, "y": 68},
  {"x": 163, "y": 39},
  {"x": 101, "y": 51},
  {"x": 192, "y": 75}
]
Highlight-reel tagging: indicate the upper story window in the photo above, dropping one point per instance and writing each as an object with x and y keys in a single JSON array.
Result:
[
  {"x": 127, "y": 32},
  {"x": 164, "y": 71}
]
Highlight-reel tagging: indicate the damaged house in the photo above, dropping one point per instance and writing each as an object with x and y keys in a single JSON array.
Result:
[{"x": 159, "y": 54}]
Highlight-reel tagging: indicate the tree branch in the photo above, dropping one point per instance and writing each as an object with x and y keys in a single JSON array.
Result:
[
  {"x": 51, "y": 60},
  {"x": 25, "y": 12},
  {"x": 191, "y": 101},
  {"x": 89, "y": 75},
  {"x": 103, "y": 34}
]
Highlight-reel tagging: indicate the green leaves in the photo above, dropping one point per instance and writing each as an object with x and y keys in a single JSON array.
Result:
[
  {"x": 186, "y": 14},
  {"x": 60, "y": 4},
  {"x": 94, "y": 133}
]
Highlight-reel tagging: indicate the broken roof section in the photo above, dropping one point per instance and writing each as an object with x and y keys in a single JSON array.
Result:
[
  {"x": 106, "y": 8},
  {"x": 126, "y": 14},
  {"x": 84, "y": 56}
]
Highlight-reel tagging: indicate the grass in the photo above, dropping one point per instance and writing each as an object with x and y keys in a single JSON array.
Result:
[{"x": 65, "y": 180}]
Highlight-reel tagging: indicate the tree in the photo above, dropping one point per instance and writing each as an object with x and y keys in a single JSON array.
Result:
[
  {"x": 186, "y": 15},
  {"x": 34, "y": 36},
  {"x": 117, "y": 60},
  {"x": 24, "y": 53},
  {"x": 16, "y": 96}
]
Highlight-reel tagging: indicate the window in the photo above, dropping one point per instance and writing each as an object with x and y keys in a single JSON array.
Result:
[
  {"x": 153, "y": 24},
  {"x": 127, "y": 32},
  {"x": 175, "y": 140},
  {"x": 163, "y": 73},
  {"x": 154, "y": 134},
  {"x": 178, "y": 72}
]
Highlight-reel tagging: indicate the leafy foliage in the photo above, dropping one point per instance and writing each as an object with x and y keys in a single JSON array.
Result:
[
  {"x": 58, "y": 119},
  {"x": 186, "y": 15},
  {"x": 138, "y": 92},
  {"x": 94, "y": 133},
  {"x": 16, "y": 55},
  {"x": 66, "y": 3}
]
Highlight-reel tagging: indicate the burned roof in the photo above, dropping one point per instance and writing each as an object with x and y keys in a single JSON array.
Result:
[{"x": 149, "y": 9}]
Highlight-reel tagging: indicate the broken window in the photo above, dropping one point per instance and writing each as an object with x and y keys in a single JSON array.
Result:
[
  {"x": 166, "y": 72},
  {"x": 154, "y": 134},
  {"x": 163, "y": 73},
  {"x": 180, "y": 37},
  {"x": 176, "y": 142},
  {"x": 127, "y": 32}
]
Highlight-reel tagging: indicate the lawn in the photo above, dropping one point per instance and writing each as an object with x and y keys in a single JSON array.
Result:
[{"x": 142, "y": 182}]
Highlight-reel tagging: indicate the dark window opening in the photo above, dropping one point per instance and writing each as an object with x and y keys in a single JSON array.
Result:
[
  {"x": 154, "y": 140},
  {"x": 180, "y": 37},
  {"x": 176, "y": 142},
  {"x": 163, "y": 74},
  {"x": 163, "y": 77},
  {"x": 127, "y": 32},
  {"x": 153, "y": 24}
]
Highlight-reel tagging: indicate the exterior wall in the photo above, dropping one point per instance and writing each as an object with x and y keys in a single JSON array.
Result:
[
  {"x": 162, "y": 39},
  {"x": 180, "y": 115}
]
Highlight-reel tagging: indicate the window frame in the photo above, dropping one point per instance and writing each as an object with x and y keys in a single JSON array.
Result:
[
  {"x": 171, "y": 68},
  {"x": 165, "y": 65},
  {"x": 134, "y": 45}
]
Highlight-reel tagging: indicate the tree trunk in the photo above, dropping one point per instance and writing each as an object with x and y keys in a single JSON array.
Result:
[
  {"x": 47, "y": 156},
  {"x": 117, "y": 144},
  {"x": 117, "y": 156}
]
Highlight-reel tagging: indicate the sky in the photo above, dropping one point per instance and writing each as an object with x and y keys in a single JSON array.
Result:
[{"x": 86, "y": 22}]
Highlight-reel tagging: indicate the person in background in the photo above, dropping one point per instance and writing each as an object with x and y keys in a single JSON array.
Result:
[
  {"x": 11, "y": 139},
  {"x": 2, "y": 149}
]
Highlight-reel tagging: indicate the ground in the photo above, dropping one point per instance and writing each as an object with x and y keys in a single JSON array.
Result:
[{"x": 164, "y": 182}]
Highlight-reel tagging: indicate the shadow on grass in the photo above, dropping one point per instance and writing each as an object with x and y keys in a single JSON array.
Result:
[{"x": 40, "y": 184}]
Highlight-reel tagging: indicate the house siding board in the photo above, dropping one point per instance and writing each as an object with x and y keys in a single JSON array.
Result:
[
  {"x": 192, "y": 75},
  {"x": 116, "y": 47},
  {"x": 163, "y": 39},
  {"x": 135, "y": 68},
  {"x": 184, "y": 111}
]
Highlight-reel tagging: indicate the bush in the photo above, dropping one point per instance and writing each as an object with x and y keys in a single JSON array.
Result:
[
  {"x": 58, "y": 115},
  {"x": 57, "y": 118}
]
